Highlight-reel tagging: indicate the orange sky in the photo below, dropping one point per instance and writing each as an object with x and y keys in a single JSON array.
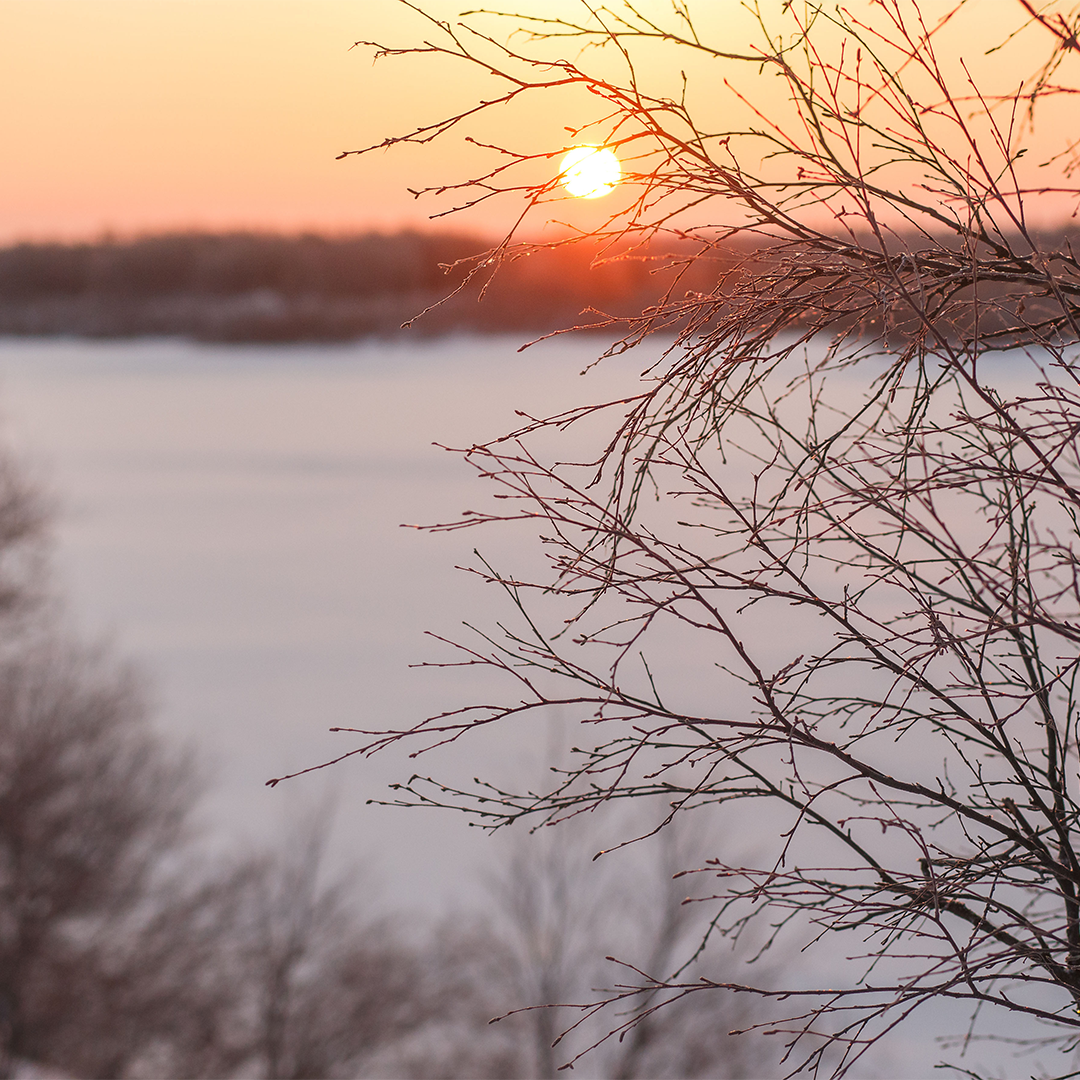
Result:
[
  {"x": 135, "y": 115},
  {"x": 141, "y": 115}
]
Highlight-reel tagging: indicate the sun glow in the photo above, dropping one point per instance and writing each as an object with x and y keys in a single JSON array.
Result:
[{"x": 587, "y": 172}]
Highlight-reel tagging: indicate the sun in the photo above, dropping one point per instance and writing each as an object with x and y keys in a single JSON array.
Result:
[{"x": 587, "y": 172}]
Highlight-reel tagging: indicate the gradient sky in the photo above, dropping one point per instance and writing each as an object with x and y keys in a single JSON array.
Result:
[
  {"x": 133, "y": 115},
  {"x": 141, "y": 115}
]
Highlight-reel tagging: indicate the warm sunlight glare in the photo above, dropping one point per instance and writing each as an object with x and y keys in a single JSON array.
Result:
[{"x": 588, "y": 172}]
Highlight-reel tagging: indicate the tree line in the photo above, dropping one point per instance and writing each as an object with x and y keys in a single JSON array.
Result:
[{"x": 270, "y": 287}]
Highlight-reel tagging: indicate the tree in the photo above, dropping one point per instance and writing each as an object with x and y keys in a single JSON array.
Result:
[
  {"x": 864, "y": 433},
  {"x": 326, "y": 990},
  {"x": 89, "y": 801},
  {"x": 559, "y": 914},
  {"x": 89, "y": 805},
  {"x": 503, "y": 982},
  {"x": 127, "y": 952},
  {"x": 124, "y": 949}
]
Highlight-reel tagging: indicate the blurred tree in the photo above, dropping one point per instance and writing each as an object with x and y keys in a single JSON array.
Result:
[
  {"x": 561, "y": 916},
  {"x": 90, "y": 803},
  {"x": 124, "y": 949},
  {"x": 125, "y": 953},
  {"x": 329, "y": 991},
  {"x": 505, "y": 982},
  {"x": 852, "y": 598}
]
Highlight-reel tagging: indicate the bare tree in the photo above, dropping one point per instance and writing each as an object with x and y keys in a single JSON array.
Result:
[
  {"x": 89, "y": 804},
  {"x": 563, "y": 916},
  {"x": 126, "y": 952},
  {"x": 506, "y": 981},
  {"x": 864, "y": 433},
  {"x": 102, "y": 953},
  {"x": 124, "y": 949},
  {"x": 329, "y": 990}
]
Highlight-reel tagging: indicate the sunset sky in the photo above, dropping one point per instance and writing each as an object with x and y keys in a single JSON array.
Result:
[
  {"x": 141, "y": 115},
  {"x": 135, "y": 115}
]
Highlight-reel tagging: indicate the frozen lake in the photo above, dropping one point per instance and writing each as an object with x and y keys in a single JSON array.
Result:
[{"x": 230, "y": 519}]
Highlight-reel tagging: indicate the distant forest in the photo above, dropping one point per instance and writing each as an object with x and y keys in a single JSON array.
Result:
[
  {"x": 266, "y": 287},
  {"x": 258, "y": 287}
]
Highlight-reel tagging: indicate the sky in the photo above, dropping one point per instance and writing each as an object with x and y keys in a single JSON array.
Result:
[
  {"x": 140, "y": 115},
  {"x": 134, "y": 116}
]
